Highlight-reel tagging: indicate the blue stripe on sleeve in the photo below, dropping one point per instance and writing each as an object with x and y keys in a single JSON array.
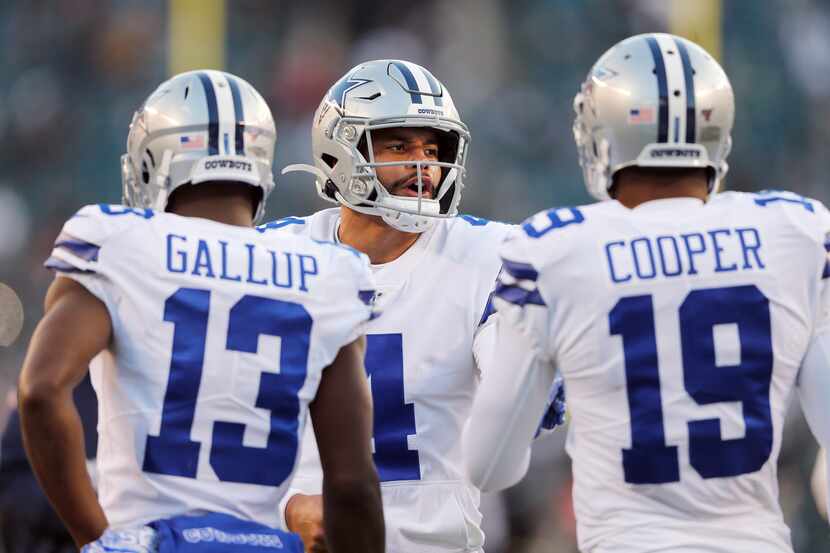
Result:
[
  {"x": 519, "y": 270},
  {"x": 518, "y": 295},
  {"x": 62, "y": 266},
  {"x": 77, "y": 247},
  {"x": 826, "y": 274}
]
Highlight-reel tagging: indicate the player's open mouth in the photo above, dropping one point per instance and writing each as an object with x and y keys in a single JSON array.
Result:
[{"x": 410, "y": 189}]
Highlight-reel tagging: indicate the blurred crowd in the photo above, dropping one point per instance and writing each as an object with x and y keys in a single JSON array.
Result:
[{"x": 74, "y": 71}]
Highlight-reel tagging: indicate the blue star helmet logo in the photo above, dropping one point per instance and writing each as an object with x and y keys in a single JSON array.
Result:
[{"x": 345, "y": 85}]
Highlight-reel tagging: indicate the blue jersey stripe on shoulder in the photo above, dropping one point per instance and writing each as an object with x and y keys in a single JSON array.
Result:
[
  {"x": 518, "y": 295},
  {"x": 520, "y": 270},
  {"x": 77, "y": 247},
  {"x": 62, "y": 266}
]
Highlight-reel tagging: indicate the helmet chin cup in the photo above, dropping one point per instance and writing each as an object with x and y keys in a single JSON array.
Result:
[{"x": 406, "y": 222}]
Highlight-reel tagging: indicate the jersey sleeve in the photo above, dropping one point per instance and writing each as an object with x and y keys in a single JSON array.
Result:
[
  {"x": 483, "y": 336},
  {"x": 518, "y": 297},
  {"x": 516, "y": 370},
  {"x": 85, "y": 244},
  {"x": 360, "y": 288},
  {"x": 77, "y": 250}
]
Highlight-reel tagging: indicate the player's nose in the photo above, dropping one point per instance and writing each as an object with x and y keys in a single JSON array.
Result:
[{"x": 419, "y": 152}]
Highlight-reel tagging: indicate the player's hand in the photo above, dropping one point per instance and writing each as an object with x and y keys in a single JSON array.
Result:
[
  {"x": 304, "y": 516},
  {"x": 555, "y": 413}
]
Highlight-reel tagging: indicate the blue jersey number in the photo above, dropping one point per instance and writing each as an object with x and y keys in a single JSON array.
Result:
[
  {"x": 394, "y": 419},
  {"x": 172, "y": 451},
  {"x": 115, "y": 210},
  {"x": 556, "y": 218},
  {"x": 767, "y": 197},
  {"x": 650, "y": 460}
]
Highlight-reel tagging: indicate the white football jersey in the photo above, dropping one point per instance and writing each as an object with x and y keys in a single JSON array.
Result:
[
  {"x": 220, "y": 337},
  {"x": 679, "y": 328},
  {"x": 423, "y": 377}
]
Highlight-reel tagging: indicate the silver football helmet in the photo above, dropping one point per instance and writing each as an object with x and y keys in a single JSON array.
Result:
[
  {"x": 377, "y": 95},
  {"x": 653, "y": 100},
  {"x": 197, "y": 127}
]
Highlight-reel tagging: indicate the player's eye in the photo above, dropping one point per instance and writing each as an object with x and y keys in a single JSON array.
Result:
[
  {"x": 396, "y": 147},
  {"x": 431, "y": 151}
]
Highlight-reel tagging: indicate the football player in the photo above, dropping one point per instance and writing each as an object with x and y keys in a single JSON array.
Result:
[
  {"x": 389, "y": 147},
  {"x": 682, "y": 320},
  {"x": 209, "y": 342}
]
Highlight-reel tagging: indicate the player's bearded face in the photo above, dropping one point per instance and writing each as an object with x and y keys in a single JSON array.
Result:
[{"x": 405, "y": 144}]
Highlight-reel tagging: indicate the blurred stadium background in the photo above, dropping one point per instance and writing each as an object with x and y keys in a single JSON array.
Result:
[{"x": 73, "y": 71}]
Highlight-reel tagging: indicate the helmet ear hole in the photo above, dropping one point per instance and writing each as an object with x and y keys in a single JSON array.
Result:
[
  {"x": 145, "y": 166},
  {"x": 145, "y": 173}
]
